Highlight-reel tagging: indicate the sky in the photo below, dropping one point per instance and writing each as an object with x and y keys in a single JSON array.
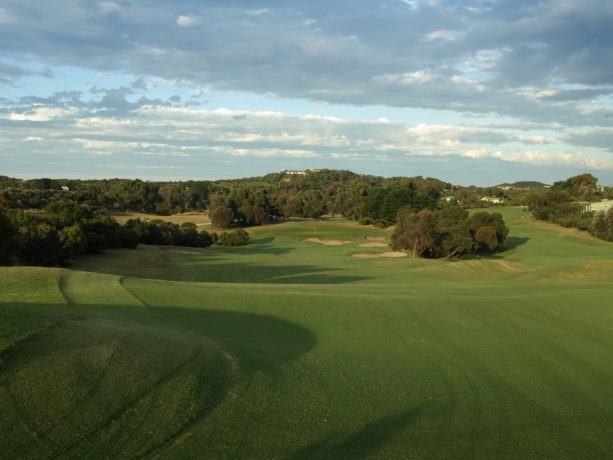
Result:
[{"x": 472, "y": 92}]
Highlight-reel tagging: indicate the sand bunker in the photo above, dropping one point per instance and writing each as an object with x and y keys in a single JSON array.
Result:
[
  {"x": 326, "y": 242},
  {"x": 391, "y": 254},
  {"x": 372, "y": 244},
  {"x": 374, "y": 238}
]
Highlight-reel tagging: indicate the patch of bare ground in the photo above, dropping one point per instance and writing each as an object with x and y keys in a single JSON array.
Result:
[
  {"x": 326, "y": 242},
  {"x": 372, "y": 244},
  {"x": 389, "y": 254}
]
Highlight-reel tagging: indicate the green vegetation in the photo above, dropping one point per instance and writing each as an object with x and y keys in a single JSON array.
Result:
[
  {"x": 562, "y": 205},
  {"x": 448, "y": 233},
  {"x": 289, "y": 349},
  {"x": 238, "y": 202}
]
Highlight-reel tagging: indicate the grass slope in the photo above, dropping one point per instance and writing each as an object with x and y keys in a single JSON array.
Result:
[{"x": 287, "y": 349}]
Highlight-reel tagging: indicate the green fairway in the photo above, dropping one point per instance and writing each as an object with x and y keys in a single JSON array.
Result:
[{"x": 292, "y": 349}]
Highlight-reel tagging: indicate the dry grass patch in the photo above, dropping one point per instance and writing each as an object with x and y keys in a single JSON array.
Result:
[
  {"x": 372, "y": 244},
  {"x": 374, "y": 238}
]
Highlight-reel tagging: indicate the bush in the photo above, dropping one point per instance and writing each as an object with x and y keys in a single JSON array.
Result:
[
  {"x": 236, "y": 238},
  {"x": 128, "y": 237},
  {"x": 206, "y": 239}
]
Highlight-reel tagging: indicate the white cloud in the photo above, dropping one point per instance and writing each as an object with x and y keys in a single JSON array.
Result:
[
  {"x": 187, "y": 21},
  {"x": 549, "y": 92},
  {"x": 409, "y": 78},
  {"x": 258, "y": 11},
  {"x": 443, "y": 35},
  {"x": 41, "y": 114},
  {"x": 5, "y": 17},
  {"x": 108, "y": 7},
  {"x": 265, "y": 153}
]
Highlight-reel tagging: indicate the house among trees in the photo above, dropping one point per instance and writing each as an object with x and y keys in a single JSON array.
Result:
[
  {"x": 492, "y": 199},
  {"x": 299, "y": 173},
  {"x": 603, "y": 206}
]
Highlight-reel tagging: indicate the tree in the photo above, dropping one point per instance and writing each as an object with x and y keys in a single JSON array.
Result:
[
  {"x": 493, "y": 220},
  {"x": 190, "y": 236},
  {"x": 454, "y": 232},
  {"x": 7, "y": 239},
  {"x": 128, "y": 237},
  {"x": 582, "y": 187},
  {"x": 599, "y": 226},
  {"x": 222, "y": 216},
  {"x": 416, "y": 232},
  {"x": 101, "y": 234},
  {"x": 486, "y": 238},
  {"x": 73, "y": 241},
  {"x": 313, "y": 205},
  {"x": 456, "y": 241},
  {"x": 39, "y": 244}
]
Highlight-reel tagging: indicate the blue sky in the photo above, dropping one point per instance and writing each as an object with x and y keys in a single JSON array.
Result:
[{"x": 473, "y": 92}]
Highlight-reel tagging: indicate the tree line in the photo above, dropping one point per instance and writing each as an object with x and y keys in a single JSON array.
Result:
[
  {"x": 67, "y": 229},
  {"x": 566, "y": 203},
  {"x": 239, "y": 202}
]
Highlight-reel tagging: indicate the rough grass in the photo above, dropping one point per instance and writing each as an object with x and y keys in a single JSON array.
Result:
[
  {"x": 298, "y": 351},
  {"x": 201, "y": 219}
]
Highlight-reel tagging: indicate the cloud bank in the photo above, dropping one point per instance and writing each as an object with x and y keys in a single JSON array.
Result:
[{"x": 529, "y": 82}]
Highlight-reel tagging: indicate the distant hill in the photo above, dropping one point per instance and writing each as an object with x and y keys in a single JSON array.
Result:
[{"x": 525, "y": 184}]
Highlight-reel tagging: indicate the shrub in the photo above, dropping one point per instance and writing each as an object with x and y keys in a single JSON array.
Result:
[{"x": 236, "y": 238}]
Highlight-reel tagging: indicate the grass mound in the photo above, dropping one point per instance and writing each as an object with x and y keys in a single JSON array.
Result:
[{"x": 94, "y": 387}]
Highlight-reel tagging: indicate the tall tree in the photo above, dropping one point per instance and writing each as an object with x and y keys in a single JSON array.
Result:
[{"x": 416, "y": 232}]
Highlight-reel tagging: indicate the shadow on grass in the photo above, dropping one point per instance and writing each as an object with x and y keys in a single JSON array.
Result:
[
  {"x": 214, "y": 266},
  {"x": 513, "y": 242},
  {"x": 266, "y": 240},
  {"x": 266, "y": 274},
  {"x": 510, "y": 243},
  {"x": 364, "y": 442},
  {"x": 167, "y": 369}
]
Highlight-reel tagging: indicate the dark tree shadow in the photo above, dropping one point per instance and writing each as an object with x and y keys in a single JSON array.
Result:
[
  {"x": 513, "y": 242},
  {"x": 510, "y": 243},
  {"x": 364, "y": 442}
]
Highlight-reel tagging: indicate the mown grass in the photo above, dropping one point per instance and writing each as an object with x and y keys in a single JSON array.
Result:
[{"x": 307, "y": 352}]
